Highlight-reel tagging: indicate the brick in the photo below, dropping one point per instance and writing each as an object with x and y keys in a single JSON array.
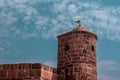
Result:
[
  {"x": 76, "y": 60},
  {"x": 82, "y": 54}
]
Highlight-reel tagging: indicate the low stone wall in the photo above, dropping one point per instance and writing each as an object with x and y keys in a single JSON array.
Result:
[{"x": 27, "y": 71}]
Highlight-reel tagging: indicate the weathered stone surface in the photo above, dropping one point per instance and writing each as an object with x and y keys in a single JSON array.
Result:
[
  {"x": 78, "y": 61},
  {"x": 27, "y": 71}
]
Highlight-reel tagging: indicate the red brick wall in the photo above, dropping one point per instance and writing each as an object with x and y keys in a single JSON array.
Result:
[
  {"x": 48, "y": 73},
  {"x": 27, "y": 71},
  {"x": 77, "y": 56}
]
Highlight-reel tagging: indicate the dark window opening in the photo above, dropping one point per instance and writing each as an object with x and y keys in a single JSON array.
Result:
[
  {"x": 66, "y": 74},
  {"x": 86, "y": 42},
  {"x": 84, "y": 51},
  {"x": 66, "y": 47},
  {"x": 93, "y": 48},
  {"x": 72, "y": 77},
  {"x": 69, "y": 75},
  {"x": 58, "y": 71},
  {"x": 85, "y": 36}
]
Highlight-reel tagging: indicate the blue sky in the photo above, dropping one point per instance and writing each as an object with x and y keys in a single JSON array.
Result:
[{"x": 28, "y": 30}]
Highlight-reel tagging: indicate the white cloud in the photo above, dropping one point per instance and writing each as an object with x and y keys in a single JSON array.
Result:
[
  {"x": 100, "y": 19},
  {"x": 107, "y": 77},
  {"x": 1, "y": 48},
  {"x": 20, "y": 1},
  {"x": 108, "y": 70},
  {"x": 2, "y": 2},
  {"x": 50, "y": 63},
  {"x": 57, "y": 17},
  {"x": 72, "y": 8},
  {"x": 108, "y": 65},
  {"x": 6, "y": 49}
]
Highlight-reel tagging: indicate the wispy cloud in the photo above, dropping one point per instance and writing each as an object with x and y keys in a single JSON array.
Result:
[
  {"x": 108, "y": 70},
  {"x": 50, "y": 63},
  {"x": 102, "y": 20},
  {"x": 6, "y": 50},
  {"x": 49, "y": 18}
]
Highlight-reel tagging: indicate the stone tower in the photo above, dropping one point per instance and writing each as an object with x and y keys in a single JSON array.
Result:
[{"x": 77, "y": 55}]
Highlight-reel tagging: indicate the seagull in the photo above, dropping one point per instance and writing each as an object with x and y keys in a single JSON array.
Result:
[{"x": 79, "y": 22}]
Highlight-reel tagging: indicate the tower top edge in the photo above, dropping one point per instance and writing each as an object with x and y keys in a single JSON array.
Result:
[
  {"x": 81, "y": 28},
  {"x": 77, "y": 32}
]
